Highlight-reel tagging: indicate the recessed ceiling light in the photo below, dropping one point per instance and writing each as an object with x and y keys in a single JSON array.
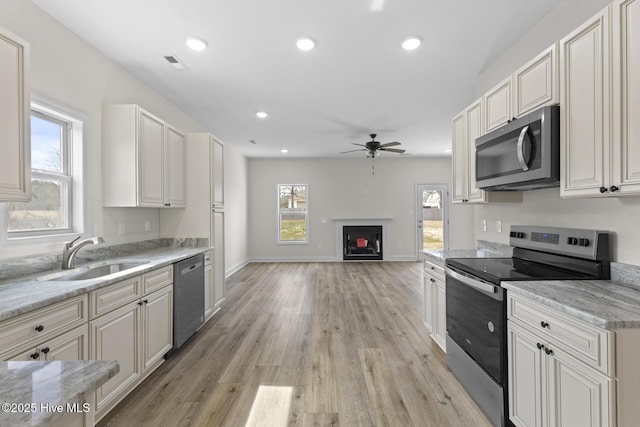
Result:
[
  {"x": 448, "y": 150},
  {"x": 411, "y": 43},
  {"x": 284, "y": 150},
  {"x": 305, "y": 43},
  {"x": 262, "y": 114},
  {"x": 197, "y": 43}
]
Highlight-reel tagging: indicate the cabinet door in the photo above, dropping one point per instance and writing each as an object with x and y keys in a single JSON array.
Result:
[
  {"x": 473, "y": 130},
  {"x": 626, "y": 86},
  {"x": 536, "y": 83},
  {"x": 584, "y": 96},
  {"x": 577, "y": 394},
  {"x": 218, "y": 257},
  {"x": 175, "y": 173},
  {"x": 217, "y": 172},
  {"x": 74, "y": 345},
  {"x": 209, "y": 292},
  {"x": 497, "y": 105},
  {"x": 151, "y": 160},
  {"x": 116, "y": 336},
  {"x": 439, "y": 331},
  {"x": 157, "y": 315},
  {"x": 428, "y": 302},
  {"x": 525, "y": 377},
  {"x": 459, "y": 159},
  {"x": 15, "y": 127}
]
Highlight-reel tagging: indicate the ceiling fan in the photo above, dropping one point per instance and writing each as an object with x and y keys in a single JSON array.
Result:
[{"x": 373, "y": 149}]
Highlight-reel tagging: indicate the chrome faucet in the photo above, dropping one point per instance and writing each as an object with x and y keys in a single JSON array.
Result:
[{"x": 70, "y": 249}]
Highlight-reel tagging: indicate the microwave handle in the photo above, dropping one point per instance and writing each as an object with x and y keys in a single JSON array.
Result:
[{"x": 522, "y": 156}]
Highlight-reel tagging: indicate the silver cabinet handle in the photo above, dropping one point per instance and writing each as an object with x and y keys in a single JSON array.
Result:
[{"x": 523, "y": 158}]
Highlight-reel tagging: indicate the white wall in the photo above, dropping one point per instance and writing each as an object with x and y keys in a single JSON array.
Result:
[
  {"x": 557, "y": 24},
  {"x": 68, "y": 72},
  {"x": 236, "y": 205},
  {"x": 345, "y": 188},
  {"x": 545, "y": 207}
]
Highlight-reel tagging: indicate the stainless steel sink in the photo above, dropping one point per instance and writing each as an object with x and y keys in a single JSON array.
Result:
[{"x": 92, "y": 272}]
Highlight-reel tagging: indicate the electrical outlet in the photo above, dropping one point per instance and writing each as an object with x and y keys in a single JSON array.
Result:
[
  {"x": 499, "y": 226},
  {"x": 147, "y": 225},
  {"x": 121, "y": 229},
  {"x": 483, "y": 224}
]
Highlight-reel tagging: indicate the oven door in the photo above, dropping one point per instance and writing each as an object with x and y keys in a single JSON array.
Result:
[{"x": 476, "y": 320}]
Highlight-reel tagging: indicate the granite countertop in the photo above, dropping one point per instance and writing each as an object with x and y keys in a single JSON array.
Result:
[
  {"x": 441, "y": 255},
  {"x": 603, "y": 303},
  {"x": 29, "y": 293},
  {"x": 45, "y": 388}
]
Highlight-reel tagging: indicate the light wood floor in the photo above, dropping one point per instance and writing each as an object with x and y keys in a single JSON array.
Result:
[{"x": 308, "y": 344}]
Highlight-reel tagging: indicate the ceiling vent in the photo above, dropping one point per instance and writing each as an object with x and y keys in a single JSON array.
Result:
[{"x": 175, "y": 62}]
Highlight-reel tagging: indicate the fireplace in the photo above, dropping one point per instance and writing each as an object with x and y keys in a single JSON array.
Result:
[{"x": 362, "y": 242}]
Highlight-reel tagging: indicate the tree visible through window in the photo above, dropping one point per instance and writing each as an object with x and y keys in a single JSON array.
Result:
[
  {"x": 50, "y": 207},
  {"x": 292, "y": 213}
]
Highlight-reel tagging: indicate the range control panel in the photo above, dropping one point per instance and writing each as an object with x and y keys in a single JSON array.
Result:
[{"x": 592, "y": 244}]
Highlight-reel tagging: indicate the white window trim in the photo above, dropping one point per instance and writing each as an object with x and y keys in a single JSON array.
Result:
[
  {"x": 77, "y": 214},
  {"x": 291, "y": 242}
]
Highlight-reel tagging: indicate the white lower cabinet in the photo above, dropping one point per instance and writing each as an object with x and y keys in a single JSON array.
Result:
[
  {"x": 435, "y": 309},
  {"x": 550, "y": 388},
  {"x": 72, "y": 345},
  {"x": 552, "y": 383},
  {"x": 138, "y": 333}
]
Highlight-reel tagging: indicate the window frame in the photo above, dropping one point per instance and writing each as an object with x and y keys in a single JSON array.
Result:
[
  {"x": 71, "y": 178},
  {"x": 279, "y": 213}
]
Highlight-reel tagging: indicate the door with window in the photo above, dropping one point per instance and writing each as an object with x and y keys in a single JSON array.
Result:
[{"x": 432, "y": 217}]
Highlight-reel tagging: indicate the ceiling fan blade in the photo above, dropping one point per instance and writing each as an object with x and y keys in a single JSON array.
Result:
[
  {"x": 393, "y": 150},
  {"x": 355, "y": 143},
  {"x": 352, "y": 151},
  {"x": 390, "y": 144}
]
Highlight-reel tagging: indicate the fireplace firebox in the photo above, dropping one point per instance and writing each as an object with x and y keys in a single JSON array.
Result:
[{"x": 362, "y": 242}]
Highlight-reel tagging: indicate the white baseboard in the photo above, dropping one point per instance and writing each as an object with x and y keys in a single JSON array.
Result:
[{"x": 236, "y": 268}]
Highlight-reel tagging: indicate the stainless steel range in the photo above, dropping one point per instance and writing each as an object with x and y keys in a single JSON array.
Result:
[{"x": 476, "y": 303}]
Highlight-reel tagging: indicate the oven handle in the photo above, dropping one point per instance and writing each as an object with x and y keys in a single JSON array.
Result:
[{"x": 474, "y": 283}]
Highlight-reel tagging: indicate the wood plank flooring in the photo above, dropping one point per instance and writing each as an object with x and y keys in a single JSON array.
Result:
[{"x": 308, "y": 344}]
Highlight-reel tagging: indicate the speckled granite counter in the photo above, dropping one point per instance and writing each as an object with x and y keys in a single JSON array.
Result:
[
  {"x": 46, "y": 387},
  {"x": 22, "y": 295},
  {"x": 485, "y": 249},
  {"x": 603, "y": 303}
]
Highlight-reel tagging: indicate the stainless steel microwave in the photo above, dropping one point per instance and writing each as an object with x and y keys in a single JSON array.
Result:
[{"x": 524, "y": 154}]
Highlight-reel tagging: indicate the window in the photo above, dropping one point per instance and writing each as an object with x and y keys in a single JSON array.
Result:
[
  {"x": 293, "y": 202},
  {"x": 51, "y": 209}
]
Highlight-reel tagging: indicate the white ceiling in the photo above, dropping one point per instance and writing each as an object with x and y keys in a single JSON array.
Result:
[{"x": 356, "y": 81}]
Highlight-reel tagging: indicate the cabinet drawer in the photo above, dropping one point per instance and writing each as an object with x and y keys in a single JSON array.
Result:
[
  {"x": 110, "y": 297},
  {"x": 157, "y": 279},
  {"x": 20, "y": 332},
  {"x": 585, "y": 342},
  {"x": 434, "y": 269}
]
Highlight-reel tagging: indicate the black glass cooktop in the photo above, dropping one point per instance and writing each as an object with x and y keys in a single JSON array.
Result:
[{"x": 496, "y": 270}]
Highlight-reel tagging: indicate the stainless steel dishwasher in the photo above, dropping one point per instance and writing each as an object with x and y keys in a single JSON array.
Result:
[{"x": 188, "y": 299}]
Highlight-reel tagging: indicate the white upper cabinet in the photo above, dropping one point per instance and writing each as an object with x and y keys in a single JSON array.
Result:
[
  {"x": 467, "y": 126},
  {"x": 497, "y": 105},
  {"x": 143, "y": 159},
  {"x": 536, "y": 83},
  {"x": 217, "y": 173},
  {"x": 626, "y": 96},
  {"x": 176, "y": 188},
  {"x": 532, "y": 86},
  {"x": 15, "y": 113},
  {"x": 584, "y": 117},
  {"x": 600, "y": 95}
]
